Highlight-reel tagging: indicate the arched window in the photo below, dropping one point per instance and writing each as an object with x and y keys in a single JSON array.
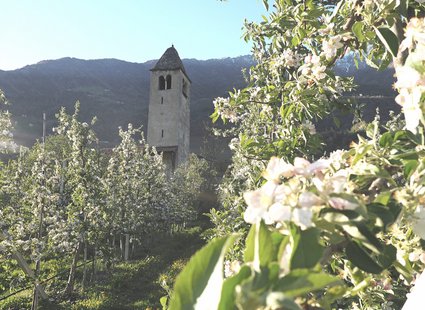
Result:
[
  {"x": 161, "y": 83},
  {"x": 168, "y": 81}
]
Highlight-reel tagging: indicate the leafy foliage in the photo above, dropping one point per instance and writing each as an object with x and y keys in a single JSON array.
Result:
[{"x": 339, "y": 232}]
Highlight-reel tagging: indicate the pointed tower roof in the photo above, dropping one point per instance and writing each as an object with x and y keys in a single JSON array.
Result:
[{"x": 170, "y": 60}]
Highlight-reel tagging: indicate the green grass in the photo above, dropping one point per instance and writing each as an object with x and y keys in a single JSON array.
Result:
[
  {"x": 127, "y": 285},
  {"x": 136, "y": 284}
]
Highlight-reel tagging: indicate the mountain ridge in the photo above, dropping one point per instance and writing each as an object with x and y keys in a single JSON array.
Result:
[{"x": 117, "y": 92}]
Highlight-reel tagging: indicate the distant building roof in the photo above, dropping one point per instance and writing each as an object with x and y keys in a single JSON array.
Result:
[{"x": 170, "y": 60}]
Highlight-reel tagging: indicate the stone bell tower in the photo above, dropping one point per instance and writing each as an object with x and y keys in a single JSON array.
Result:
[{"x": 169, "y": 113}]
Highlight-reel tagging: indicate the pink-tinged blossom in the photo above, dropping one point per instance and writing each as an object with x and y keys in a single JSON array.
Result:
[
  {"x": 342, "y": 204},
  {"x": 301, "y": 166},
  {"x": 308, "y": 200},
  {"x": 318, "y": 166}
]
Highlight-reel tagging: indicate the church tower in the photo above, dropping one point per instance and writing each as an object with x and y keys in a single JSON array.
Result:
[{"x": 169, "y": 114}]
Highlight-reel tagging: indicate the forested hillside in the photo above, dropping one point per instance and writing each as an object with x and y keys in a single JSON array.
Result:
[{"x": 117, "y": 92}]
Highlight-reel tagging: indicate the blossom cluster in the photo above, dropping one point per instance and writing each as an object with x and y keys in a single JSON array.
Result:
[
  {"x": 331, "y": 46},
  {"x": 306, "y": 186},
  {"x": 224, "y": 109},
  {"x": 313, "y": 67},
  {"x": 411, "y": 79}
]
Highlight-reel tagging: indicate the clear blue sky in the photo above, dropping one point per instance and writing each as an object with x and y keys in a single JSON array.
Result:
[{"x": 131, "y": 30}]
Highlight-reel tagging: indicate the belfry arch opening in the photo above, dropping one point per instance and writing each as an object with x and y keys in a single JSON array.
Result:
[
  {"x": 168, "y": 81},
  {"x": 161, "y": 85}
]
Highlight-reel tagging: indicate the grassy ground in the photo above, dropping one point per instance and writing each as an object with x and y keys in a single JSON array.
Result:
[{"x": 130, "y": 285}]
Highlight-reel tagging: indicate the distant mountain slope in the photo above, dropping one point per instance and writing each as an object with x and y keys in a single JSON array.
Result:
[{"x": 117, "y": 92}]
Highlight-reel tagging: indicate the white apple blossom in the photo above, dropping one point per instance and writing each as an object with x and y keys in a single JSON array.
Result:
[
  {"x": 303, "y": 217},
  {"x": 411, "y": 109},
  {"x": 277, "y": 168},
  {"x": 414, "y": 34},
  {"x": 331, "y": 46},
  {"x": 419, "y": 222},
  {"x": 408, "y": 77},
  {"x": 313, "y": 67},
  {"x": 277, "y": 213},
  {"x": 258, "y": 202},
  {"x": 301, "y": 166},
  {"x": 329, "y": 27}
]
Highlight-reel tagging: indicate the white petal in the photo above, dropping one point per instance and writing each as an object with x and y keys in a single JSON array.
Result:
[
  {"x": 279, "y": 213},
  {"x": 253, "y": 215},
  {"x": 318, "y": 165},
  {"x": 302, "y": 217},
  {"x": 276, "y": 168},
  {"x": 419, "y": 222},
  {"x": 308, "y": 200}
]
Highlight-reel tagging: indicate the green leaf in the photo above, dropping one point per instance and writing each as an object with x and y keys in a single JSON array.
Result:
[
  {"x": 282, "y": 247},
  {"x": 277, "y": 239},
  {"x": 332, "y": 294},
  {"x": 395, "y": 209},
  {"x": 281, "y": 301},
  {"x": 383, "y": 214},
  {"x": 202, "y": 278},
  {"x": 383, "y": 198},
  {"x": 358, "y": 30},
  {"x": 214, "y": 117},
  {"x": 163, "y": 301},
  {"x": 386, "y": 139},
  {"x": 265, "y": 242},
  {"x": 306, "y": 249},
  {"x": 402, "y": 7},
  {"x": 387, "y": 256},
  {"x": 407, "y": 155},
  {"x": 410, "y": 167},
  {"x": 227, "y": 300},
  {"x": 295, "y": 41},
  {"x": 389, "y": 39},
  {"x": 362, "y": 151},
  {"x": 362, "y": 259},
  {"x": 302, "y": 281},
  {"x": 372, "y": 264}
]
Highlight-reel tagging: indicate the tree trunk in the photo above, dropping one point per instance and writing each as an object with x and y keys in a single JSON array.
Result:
[
  {"x": 121, "y": 247},
  {"x": 35, "y": 292},
  {"x": 34, "y": 304},
  {"x": 69, "y": 289},
  {"x": 127, "y": 246},
  {"x": 93, "y": 266},
  {"x": 84, "y": 266}
]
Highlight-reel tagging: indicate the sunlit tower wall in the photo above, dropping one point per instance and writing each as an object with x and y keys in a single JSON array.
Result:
[{"x": 169, "y": 111}]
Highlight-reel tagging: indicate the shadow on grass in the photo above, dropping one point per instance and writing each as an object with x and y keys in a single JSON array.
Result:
[{"x": 135, "y": 284}]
